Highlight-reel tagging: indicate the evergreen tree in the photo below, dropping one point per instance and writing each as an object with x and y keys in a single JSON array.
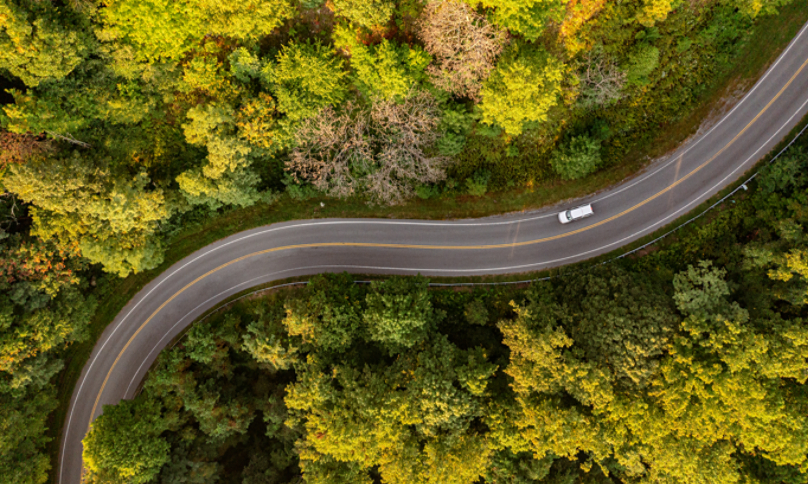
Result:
[{"x": 576, "y": 158}]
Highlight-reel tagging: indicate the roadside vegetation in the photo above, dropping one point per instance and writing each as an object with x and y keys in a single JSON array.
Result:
[
  {"x": 131, "y": 118},
  {"x": 132, "y": 133},
  {"x": 686, "y": 365}
]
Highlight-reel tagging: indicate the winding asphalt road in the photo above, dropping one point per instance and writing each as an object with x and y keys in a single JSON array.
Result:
[{"x": 506, "y": 244}]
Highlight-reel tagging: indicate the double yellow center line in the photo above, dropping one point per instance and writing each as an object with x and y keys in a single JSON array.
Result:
[{"x": 442, "y": 247}]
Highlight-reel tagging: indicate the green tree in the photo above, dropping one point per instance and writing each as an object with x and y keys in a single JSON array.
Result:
[
  {"x": 370, "y": 14},
  {"x": 205, "y": 75},
  {"x": 232, "y": 188},
  {"x": 35, "y": 44},
  {"x": 724, "y": 350},
  {"x": 23, "y": 422},
  {"x": 91, "y": 99},
  {"x": 33, "y": 324},
  {"x": 524, "y": 86},
  {"x": 621, "y": 321},
  {"x": 476, "y": 313},
  {"x": 413, "y": 419},
  {"x": 246, "y": 20},
  {"x": 165, "y": 30},
  {"x": 220, "y": 412},
  {"x": 151, "y": 31},
  {"x": 700, "y": 290},
  {"x": 213, "y": 126},
  {"x": 399, "y": 312},
  {"x": 521, "y": 468},
  {"x": 306, "y": 78},
  {"x": 642, "y": 61},
  {"x": 328, "y": 316},
  {"x": 577, "y": 157},
  {"x": 526, "y": 17},
  {"x": 42, "y": 310},
  {"x": 690, "y": 424},
  {"x": 124, "y": 444},
  {"x": 753, "y": 8},
  {"x": 323, "y": 469},
  {"x": 112, "y": 218},
  {"x": 387, "y": 69},
  {"x": 207, "y": 382},
  {"x": 268, "y": 341},
  {"x": 234, "y": 139}
]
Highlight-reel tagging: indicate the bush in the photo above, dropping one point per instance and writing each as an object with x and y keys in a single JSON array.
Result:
[
  {"x": 476, "y": 313},
  {"x": 641, "y": 63},
  {"x": 577, "y": 158},
  {"x": 298, "y": 191},
  {"x": 455, "y": 125},
  {"x": 477, "y": 185},
  {"x": 425, "y": 192}
]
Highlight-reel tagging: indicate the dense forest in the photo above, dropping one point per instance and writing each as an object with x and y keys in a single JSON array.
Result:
[
  {"x": 124, "y": 121},
  {"x": 686, "y": 365},
  {"x": 129, "y": 117}
]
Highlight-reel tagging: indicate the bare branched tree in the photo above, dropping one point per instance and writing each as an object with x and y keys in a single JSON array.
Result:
[
  {"x": 18, "y": 148},
  {"x": 601, "y": 79},
  {"x": 382, "y": 151},
  {"x": 331, "y": 149},
  {"x": 67, "y": 137},
  {"x": 403, "y": 134},
  {"x": 465, "y": 46}
]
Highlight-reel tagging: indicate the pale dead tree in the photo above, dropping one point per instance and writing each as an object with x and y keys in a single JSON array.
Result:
[
  {"x": 18, "y": 148},
  {"x": 601, "y": 80},
  {"x": 464, "y": 44},
  {"x": 403, "y": 133},
  {"x": 382, "y": 151},
  {"x": 67, "y": 137},
  {"x": 331, "y": 149}
]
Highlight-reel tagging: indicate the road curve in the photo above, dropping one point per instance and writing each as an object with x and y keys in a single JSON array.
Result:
[{"x": 505, "y": 244}]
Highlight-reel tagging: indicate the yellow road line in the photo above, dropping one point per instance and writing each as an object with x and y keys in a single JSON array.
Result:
[{"x": 444, "y": 247}]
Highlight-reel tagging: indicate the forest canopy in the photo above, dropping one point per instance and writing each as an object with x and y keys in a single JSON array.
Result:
[
  {"x": 127, "y": 117},
  {"x": 124, "y": 122},
  {"x": 686, "y": 366}
]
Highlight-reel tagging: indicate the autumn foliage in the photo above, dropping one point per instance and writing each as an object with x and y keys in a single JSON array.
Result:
[
  {"x": 381, "y": 151},
  {"x": 18, "y": 148},
  {"x": 463, "y": 42}
]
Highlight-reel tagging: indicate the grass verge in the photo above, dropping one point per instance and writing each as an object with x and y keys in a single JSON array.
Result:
[
  {"x": 691, "y": 221},
  {"x": 770, "y": 37}
]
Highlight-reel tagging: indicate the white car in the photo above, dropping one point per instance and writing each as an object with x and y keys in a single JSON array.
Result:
[{"x": 568, "y": 216}]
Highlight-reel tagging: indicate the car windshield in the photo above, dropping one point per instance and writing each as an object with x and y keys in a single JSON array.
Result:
[{"x": 569, "y": 215}]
